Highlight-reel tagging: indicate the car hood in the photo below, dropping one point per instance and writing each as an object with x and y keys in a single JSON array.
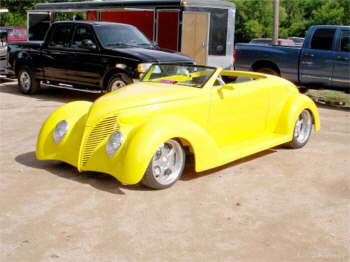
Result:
[
  {"x": 154, "y": 55},
  {"x": 137, "y": 95}
]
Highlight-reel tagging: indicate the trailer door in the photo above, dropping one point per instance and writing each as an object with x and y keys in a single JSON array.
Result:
[
  {"x": 195, "y": 28},
  {"x": 168, "y": 29},
  {"x": 38, "y": 24}
]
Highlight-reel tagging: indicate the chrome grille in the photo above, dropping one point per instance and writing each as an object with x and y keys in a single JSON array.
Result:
[{"x": 100, "y": 132}]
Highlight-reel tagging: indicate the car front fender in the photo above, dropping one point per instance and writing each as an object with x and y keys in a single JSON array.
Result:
[
  {"x": 146, "y": 139},
  {"x": 67, "y": 150}
]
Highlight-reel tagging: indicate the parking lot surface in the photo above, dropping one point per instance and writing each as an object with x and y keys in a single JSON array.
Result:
[{"x": 278, "y": 205}]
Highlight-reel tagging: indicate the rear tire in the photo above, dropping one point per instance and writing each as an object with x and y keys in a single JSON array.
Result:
[
  {"x": 302, "y": 130},
  {"x": 268, "y": 70},
  {"x": 118, "y": 81},
  {"x": 27, "y": 82}
]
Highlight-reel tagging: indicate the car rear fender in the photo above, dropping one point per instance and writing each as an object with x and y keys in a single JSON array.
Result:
[
  {"x": 144, "y": 142},
  {"x": 67, "y": 150},
  {"x": 294, "y": 106}
]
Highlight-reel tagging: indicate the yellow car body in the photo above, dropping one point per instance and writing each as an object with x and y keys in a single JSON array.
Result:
[{"x": 217, "y": 123}]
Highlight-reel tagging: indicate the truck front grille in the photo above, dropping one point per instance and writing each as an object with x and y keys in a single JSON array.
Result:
[{"x": 99, "y": 133}]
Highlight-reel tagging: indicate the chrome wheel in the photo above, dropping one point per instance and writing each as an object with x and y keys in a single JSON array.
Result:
[
  {"x": 168, "y": 163},
  {"x": 303, "y": 127},
  {"x": 25, "y": 81},
  {"x": 116, "y": 84}
]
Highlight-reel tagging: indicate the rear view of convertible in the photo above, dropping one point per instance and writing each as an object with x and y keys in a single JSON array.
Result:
[{"x": 143, "y": 132}]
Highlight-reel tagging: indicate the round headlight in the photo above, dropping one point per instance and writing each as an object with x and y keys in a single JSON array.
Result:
[
  {"x": 114, "y": 143},
  {"x": 60, "y": 131}
]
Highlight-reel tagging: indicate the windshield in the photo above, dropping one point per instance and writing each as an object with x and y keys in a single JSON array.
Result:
[
  {"x": 185, "y": 75},
  {"x": 121, "y": 36}
]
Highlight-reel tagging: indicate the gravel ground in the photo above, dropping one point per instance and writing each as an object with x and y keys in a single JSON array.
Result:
[{"x": 278, "y": 205}]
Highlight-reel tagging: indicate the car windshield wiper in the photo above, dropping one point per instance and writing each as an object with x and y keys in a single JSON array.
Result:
[
  {"x": 121, "y": 44},
  {"x": 128, "y": 45},
  {"x": 146, "y": 44}
]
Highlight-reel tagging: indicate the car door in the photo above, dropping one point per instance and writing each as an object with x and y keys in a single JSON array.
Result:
[
  {"x": 341, "y": 70},
  {"x": 316, "y": 61},
  {"x": 88, "y": 64},
  {"x": 239, "y": 113},
  {"x": 57, "y": 53}
]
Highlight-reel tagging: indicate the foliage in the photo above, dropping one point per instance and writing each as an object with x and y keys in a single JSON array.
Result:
[
  {"x": 254, "y": 17},
  {"x": 17, "y": 15}
]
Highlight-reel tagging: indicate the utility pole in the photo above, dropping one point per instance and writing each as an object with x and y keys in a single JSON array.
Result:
[{"x": 276, "y": 21}]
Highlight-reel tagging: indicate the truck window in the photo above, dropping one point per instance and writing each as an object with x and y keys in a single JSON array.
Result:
[
  {"x": 61, "y": 36},
  {"x": 345, "y": 41},
  {"x": 83, "y": 32},
  {"x": 323, "y": 39}
]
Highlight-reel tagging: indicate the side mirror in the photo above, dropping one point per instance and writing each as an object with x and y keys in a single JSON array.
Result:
[
  {"x": 155, "y": 44},
  {"x": 88, "y": 44}
]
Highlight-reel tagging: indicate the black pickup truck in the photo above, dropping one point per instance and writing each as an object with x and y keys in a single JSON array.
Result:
[{"x": 95, "y": 56}]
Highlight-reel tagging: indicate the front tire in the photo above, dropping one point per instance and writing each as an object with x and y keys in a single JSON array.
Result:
[
  {"x": 302, "y": 130},
  {"x": 118, "y": 81},
  {"x": 166, "y": 166},
  {"x": 27, "y": 82}
]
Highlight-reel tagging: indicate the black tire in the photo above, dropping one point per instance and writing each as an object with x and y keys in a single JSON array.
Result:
[
  {"x": 27, "y": 82},
  {"x": 164, "y": 179},
  {"x": 302, "y": 131},
  {"x": 268, "y": 70},
  {"x": 117, "y": 81}
]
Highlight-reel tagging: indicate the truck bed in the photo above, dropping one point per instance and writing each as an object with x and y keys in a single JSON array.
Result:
[{"x": 285, "y": 57}]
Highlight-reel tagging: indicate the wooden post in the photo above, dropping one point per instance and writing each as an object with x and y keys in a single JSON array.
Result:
[{"x": 276, "y": 21}]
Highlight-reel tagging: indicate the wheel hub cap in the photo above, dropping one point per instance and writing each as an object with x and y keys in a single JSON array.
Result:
[
  {"x": 167, "y": 163},
  {"x": 117, "y": 84},
  {"x": 303, "y": 127},
  {"x": 25, "y": 80}
]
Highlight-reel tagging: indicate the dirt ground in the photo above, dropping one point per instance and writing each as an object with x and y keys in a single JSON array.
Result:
[{"x": 278, "y": 205}]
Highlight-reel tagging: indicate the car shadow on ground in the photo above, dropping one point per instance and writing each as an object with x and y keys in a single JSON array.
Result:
[
  {"x": 99, "y": 181},
  {"x": 49, "y": 94},
  {"x": 108, "y": 183},
  {"x": 190, "y": 173}
]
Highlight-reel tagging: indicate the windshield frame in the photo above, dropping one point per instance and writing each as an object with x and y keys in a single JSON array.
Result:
[
  {"x": 135, "y": 30},
  {"x": 215, "y": 69}
]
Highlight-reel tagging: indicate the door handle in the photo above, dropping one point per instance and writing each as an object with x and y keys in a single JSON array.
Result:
[
  {"x": 308, "y": 55},
  {"x": 342, "y": 58}
]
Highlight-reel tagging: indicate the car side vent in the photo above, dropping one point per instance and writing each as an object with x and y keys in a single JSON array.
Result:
[{"x": 99, "y": 133}]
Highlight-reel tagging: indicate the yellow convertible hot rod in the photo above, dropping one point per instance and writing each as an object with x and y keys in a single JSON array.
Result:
[{"x": 142, "y": 132}]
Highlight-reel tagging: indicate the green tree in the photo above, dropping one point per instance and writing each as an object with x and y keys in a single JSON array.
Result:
[{"x": 254, "y": 18}]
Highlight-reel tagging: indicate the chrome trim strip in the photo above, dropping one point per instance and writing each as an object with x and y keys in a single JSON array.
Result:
[
  {"x": 72, "y": 88},
  {"x": 347, "y": 81}
]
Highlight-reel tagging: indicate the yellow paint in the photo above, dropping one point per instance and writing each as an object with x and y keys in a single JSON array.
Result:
[{"x": 218, "y": 123}]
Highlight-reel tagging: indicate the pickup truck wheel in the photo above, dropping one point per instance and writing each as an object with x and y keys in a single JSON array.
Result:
[
  {"x": 268, "y": 70},
  {"x": 27, "y": 82},
  {"x": 302, "y": 130},
  {"x": 118, "y": 81},
  {"x": 166, "y": 166}
]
